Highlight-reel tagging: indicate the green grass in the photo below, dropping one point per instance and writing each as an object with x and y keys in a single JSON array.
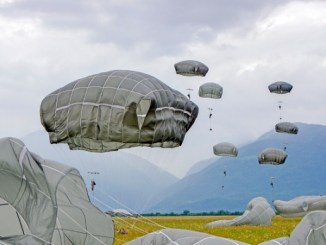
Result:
[{"x": 140, "y": 226}]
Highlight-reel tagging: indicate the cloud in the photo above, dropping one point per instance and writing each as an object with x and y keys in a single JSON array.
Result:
[{"x": 247, "y": 46}]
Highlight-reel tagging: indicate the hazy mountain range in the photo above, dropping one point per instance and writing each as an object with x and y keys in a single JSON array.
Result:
[{"x": 128, "y": 181}]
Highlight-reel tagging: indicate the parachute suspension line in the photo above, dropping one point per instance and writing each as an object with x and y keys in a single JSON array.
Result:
[
  {"x": 126, "y": 222},
  {"x": 280, "y": 109},
  {"x": 210, "y": 118},
  {"x": 189, "y": 91},
  {"x": 125, "y": 206}
]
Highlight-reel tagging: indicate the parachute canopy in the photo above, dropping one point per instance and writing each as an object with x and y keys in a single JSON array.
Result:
[
  {"x": 50, "y": 198},
  {"x": 182, "y": 237},
  {"x": 225, "y": 149},
  {"x": 117, "y": 109},
  {"x": 300, "y": 206},
  {"x": 280, "y": 87},
  {"x": 191, "y": 68},
  {"x": 286, "y": 127},
  {"x": 210, "y": 90},
  {"x": 310, "y": 231},
  {"x": 273, "y": 156},
  {"x": 258, "y": 212}
]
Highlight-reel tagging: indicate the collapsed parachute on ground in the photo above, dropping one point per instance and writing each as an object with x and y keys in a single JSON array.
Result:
[
  {"x": 117, "y": 109},
  {"x": 210, "y": 90},
  {"x": 300, "y": 206},
  {"x": 258, "y": 212},
  {"x": 286, "y": 127},
  {"x": 191, "y": 68},
  {"x": 181, "y": 237},
  {"x": 272, "y": 156},
  {"x": 310, "y": 231},
  {"x": 50, "y": 198},
  {"x": 225, "y": 149},
  {"x": 280, "y": 87}
]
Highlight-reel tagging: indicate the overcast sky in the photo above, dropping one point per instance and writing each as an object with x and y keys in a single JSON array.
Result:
[{"x": 247, "y": 45}]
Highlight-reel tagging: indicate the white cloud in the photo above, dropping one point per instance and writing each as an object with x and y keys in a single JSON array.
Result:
[{"x": 44, "y": 46}]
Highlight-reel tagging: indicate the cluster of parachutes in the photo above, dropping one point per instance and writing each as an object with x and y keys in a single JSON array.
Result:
[{"x": 274, "y": 155}]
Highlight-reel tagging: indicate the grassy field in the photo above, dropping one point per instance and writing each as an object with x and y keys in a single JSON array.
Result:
[{"x": 137, "y": 227}]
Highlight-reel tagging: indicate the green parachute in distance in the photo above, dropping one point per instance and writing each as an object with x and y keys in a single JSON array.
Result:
[
  {"x": 117, "y": 109},
  {"x": 272, "y": 156},
  {"x": 210, "y": 90},
  {"x": 225, "y": 149},
  {"x": 286, "y": 127},
  {"x": 280, "y": 87},
  {"x": 191, "y": 68}
]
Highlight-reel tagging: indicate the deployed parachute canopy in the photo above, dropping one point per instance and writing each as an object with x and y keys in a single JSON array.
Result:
[
  {"x": 117, "y": 109},
  {"x": 51, "y": 198},
  {"x": 225, "y": 149},
  {"x": 280, "y": 87},
  {"x": 310, "y": 231},
  {"x": 258, "y": 212},
  {"x": 273, "y": 156},
  {"x": 191, "y": 68},
  {"x": 300, "y": 206},
  {"x": 210, "y": 90},
  {"x": 182, "y": 237},
  {"x": 286, "y": 127}
]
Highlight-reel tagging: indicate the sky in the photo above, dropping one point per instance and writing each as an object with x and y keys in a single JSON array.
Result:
[{"x": 247, "y": 45}]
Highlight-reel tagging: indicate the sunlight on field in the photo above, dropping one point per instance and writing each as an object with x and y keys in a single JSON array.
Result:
[{"x": 137, "y": 227}]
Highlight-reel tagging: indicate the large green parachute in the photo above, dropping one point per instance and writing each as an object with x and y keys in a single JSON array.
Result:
[
  {"x": 210, "y": 90},
  {"x": 191, "y": 68},
  {"x": 310, "y": 231},
  {"x": 50, "y": 198},
  {"x": 117, "y": 109},
  {"x": 182, "y": 237},
  {"x": 258, "y": 212}
]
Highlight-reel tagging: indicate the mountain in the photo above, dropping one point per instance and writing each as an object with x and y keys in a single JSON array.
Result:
[
  {"x": 124, "y": 180},
  {"x": 303, "y": 173},
  {"x": 200, "y": 166}
]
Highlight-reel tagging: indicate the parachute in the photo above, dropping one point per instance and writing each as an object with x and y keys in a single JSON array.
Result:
[
  {"x": 50, "y": 198},
  {"x": 210, "y": 90},
  {"x": 280, "y": 87},
  {"x": 117, "y": 109},
  {"x": 300, "y": 206},
  {"x": 225, "y": 149},
  {"x": 181, "y": 236},
  {"x": 310, "y": 231},
  {"x": 286, "y": 127},
  {"x": 258, "y": 212},
  {"x": 273, "y": 156},
  {"x": 191, "y": 68}
]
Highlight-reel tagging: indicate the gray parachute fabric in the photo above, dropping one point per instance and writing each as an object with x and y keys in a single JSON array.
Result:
[
  {"x": 280, "y": 87},
  {"x": 15, "y": 224},
  {"x": 191, "y": 68},
  {"x": 181, "y": 237},
  {"x": 310, "y": 231},
  {"x": 258, "y": 212},
  {"x": 210, "y": 90},
  {"x": 51, "y": 200},
  {"x": 286, "y": 127},
  {"x": 272, "y": 156},
  {"x": 300, "y": 206},
  {"x": 225, "y": 149},
  {"x": 117, "y": 109}
]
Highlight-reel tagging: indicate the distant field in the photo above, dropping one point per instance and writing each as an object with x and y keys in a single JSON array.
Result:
[{"x": 137, "y": 227}]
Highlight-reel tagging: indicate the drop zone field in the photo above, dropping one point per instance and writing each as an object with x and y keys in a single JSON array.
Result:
[{"x": 136, "y": 227}]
